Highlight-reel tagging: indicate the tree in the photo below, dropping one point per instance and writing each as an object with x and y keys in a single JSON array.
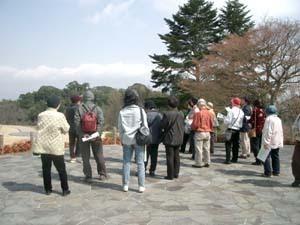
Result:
[
  {"x": 263, "y": 62},
  {"x": 192, "y": 29},
  {"x": 235, "y": 19}
]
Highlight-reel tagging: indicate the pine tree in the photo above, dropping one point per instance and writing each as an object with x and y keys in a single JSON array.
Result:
[
  {"x": 235, "y": 19},
  {"x": 192, "y": 29}
]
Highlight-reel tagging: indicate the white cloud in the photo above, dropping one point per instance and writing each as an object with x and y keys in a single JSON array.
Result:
[
  {"x": 167, "y": 6},
  {"x": 119, "y": 75},
  {"x": 111, "y": 10}
]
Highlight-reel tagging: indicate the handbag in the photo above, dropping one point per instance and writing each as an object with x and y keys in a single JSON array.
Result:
[
  {"x": 143, "y": 135},
  {"x": 252, "y": 132},
  {"x": 228, "y": 132}
]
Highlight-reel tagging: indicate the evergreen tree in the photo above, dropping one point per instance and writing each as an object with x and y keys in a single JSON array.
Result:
[
  {"x": 235, "y": 19},
  {"x": 192, "y": 29}
]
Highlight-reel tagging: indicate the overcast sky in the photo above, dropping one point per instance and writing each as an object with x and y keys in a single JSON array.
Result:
[{"x": 102, "y": 42}]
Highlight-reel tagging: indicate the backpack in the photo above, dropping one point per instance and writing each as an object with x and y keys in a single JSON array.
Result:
[{"x": 89, "y": 120}]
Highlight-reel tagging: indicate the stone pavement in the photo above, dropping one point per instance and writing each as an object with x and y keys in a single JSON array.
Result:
[{"x": 219, "y": 195}]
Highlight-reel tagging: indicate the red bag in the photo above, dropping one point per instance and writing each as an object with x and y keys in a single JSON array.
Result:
[{"x": 89, "y": 121}]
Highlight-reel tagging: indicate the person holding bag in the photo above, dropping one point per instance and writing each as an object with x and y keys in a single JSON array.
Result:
[
  {"x": 131, "y": 119},
  {"x": 234, "y": 122}
]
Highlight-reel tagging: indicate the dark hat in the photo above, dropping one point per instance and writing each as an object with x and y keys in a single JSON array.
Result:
[
  {"x": 271, "y": 109},
  {"x": 53, "y": 101},
  {"x": 75, "y": 98}
]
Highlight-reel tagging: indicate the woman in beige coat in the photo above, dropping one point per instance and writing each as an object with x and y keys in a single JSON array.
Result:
[{"x": 51, "y": 128}]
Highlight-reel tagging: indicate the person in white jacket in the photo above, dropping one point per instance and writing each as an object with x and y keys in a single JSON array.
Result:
[
  {"x": 272, "y": 138},
  {"x": 129, "y": 122}
]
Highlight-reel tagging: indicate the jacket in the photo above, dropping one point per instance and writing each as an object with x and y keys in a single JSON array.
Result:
[
  {"x": 154, "y": 122},
  {"x": 172, "y": 126},
  {"x": 258, "y": 120},
  {"x": 247, "y": 115},
  {"x": 88, "y": 101},
  {"x": 129, "y": 122},
  {"x": 234, "y": 118},
  {"x": 51, "y": 128},
  {"x": 203, "y": 121},
  {"x": 70, "y": 114},
  {"x": 272, "y": 135}
]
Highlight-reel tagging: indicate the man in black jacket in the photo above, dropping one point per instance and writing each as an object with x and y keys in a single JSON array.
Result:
[{"x": 173, "y": 130}]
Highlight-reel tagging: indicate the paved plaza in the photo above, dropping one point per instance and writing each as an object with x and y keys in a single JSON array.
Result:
[{"x": 219, "y": 195}]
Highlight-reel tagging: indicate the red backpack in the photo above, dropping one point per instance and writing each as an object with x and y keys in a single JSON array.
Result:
[{"x": 89, "y": 120}]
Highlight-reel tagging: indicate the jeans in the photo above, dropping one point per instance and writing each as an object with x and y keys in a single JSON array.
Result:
[
  {"x": 152, "y": 152},
  {"x": 98, "y": 156},
  {"x": 233, "y": 145},
  {"x": 202, "y": 148},
  {"x": 173, "y": 161},
  {"x": 74, "y": 144},
  {"x": 139, "y": 158},
  {"x": 59, "y": 163},
  {"x": 255, "y": 144},
  {"x": 274, "y": 155}
]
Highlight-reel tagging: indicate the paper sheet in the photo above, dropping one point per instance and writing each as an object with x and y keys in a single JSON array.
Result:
[
  {"x": 90, "y": 137},
  {"x": 263, "y": 154}
]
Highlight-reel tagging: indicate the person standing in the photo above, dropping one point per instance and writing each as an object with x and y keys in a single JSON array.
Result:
[
  {"x": 234, "y": 122},
  {"x": 129, "y": 122},
  {"x": 194, "y": 109},
  {"x": 173, "y": 128},
  {"x": 245, "y": 141},
  {"x": 296, "y": 155},
  {"x": 154, "y": 119},
  {"x": 73, "y": 136},
  {"x": 210, "y": 107},
  {"x": 257, "y": 122},
  {"x": 272, "y": 138},
  {"x": 49, "y": 142},
  {"x": 89, "y": 107},
  {"x": 203, "y": 126}
]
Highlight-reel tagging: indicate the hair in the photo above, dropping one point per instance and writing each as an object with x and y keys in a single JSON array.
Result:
[
  {"x": 75, "y": 98},
  {"x": 246, "y": 99},
  {"x": 257, "y": 103},
  {"x": 192, "y": 101},
  {"x": 173, "y": 102},
  {"x": 131, "y": 97},
  {"x": 53, "y": 101},
  {"x": 149, "y": 104}
]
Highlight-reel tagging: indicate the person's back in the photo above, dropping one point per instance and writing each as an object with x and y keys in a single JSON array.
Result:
[
  {"x": 203, "y": 121},
  {"x": 154, "y": 122},
  {"x": 173, "y": 125}
]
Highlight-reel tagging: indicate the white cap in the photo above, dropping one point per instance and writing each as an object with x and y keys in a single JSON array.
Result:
[
  {"x": 210, "y": 105},
  {"x": 201, "y": 102}
]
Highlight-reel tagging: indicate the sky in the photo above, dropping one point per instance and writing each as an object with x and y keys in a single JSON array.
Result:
[{"x": 102, "y": 42}]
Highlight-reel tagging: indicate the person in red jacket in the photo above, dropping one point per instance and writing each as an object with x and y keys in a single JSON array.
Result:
[
  {"x": 257, "y": 121},
  {"x": 202, "y": 125}
]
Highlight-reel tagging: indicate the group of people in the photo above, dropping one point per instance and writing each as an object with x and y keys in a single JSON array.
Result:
[{"x": 171, "y": 127}]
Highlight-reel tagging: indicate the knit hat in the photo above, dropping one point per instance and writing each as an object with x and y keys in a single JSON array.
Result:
[
  {"x": 53, "y": 101},
  {"x": 75, "y": 98},
  {"x": 210, "y": 105},
  {"x": 271, "y": 109},
  {"x": 201, "y": 102},
  {"x": 235, "y": 102}
]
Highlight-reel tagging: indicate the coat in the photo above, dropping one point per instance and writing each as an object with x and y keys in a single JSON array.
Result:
[
  {"x": 154, "y": 122},
  {"x": 272, "y": 135},
  {"x": 173, "y": 128},
  {"x": 51, "y": 128}
]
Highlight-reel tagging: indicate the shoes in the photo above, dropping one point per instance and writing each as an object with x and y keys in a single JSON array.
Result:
[
  {"x": 206, "y": 165},
  {"x": 168, "y": 178},
  {"x": 296, "y": 184},
  {"x": 88, "y": 179},
  {"x": 266, "y": 175},
  {"x": 152, "y": 173},
  {"x": 73, "y": 160},
  {"x": 125, "y": 188},
  {"x": 141, "y": 189},
  {"x": 227, "y": 162},
  {"x": 234, "y": 161},
  {"x": 248, "y": 155},
  {"x": 197, "y": 166},
  {"x": 256, "y": 163},
  {"x": 48, "y": 192},
  {"x": 176, "y": 177},
  {"x": 102, "y": 177},
  {"x": 276, "y": 174},
  {"x": 66, "y": 192},
  {"x": 243, "y": 156}
]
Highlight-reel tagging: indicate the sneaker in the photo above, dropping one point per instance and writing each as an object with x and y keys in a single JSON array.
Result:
[
  {"x": 102, "y": 177},
  {"x": 168, "y": 178},
  {"x": 256, "y": 163},
  {"x": 206, "y": 165},
  {"x": 243, "y": 156},
  {"x": 72, "y": 160},
  {"x": 125, "y": 188},
  {"x": 248, "y": 155},
  {"x": 48, "y": 192},
  {"x": 266, "y": 175},
  {"x": 276, "y": 174},
  {"x": 152, "y": 173},
  {"x": 234, "y": 161},
  {"x": 227, "y": 162},
  {"x": 66, "y": 192},
  {"x": 197, "y": 166},
  {"x": 296, "y": 184},
  {"x": 141, "y": 189}
]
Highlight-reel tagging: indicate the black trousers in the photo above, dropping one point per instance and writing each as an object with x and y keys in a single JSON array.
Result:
[
  {"x": 74, "y": 144},
  {"x": 233, "y": 146},
  {"x": 255, "y": 144},
  {"x": 59, "y": 163},
  {"x": 152, "y": 152},
  {"x": 212, "y": 142},
  {"x": 97, "y": 149},
  {"x": 173, "y": 161},
  {"x": 185, "y": 141}
]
